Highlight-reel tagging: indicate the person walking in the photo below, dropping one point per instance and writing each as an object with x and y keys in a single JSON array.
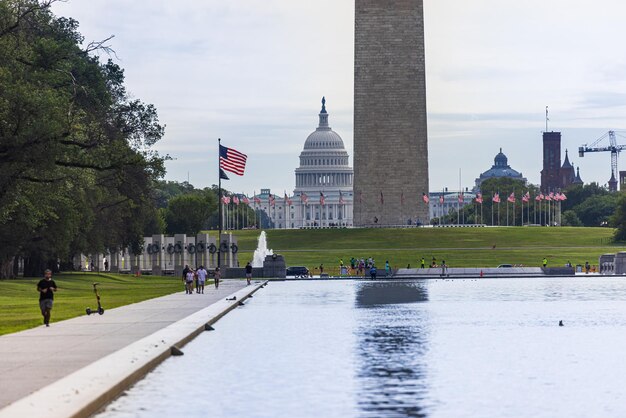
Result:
[
  {"x": 248, "y": 272},
  {"x": 544, "y": 262},
  {"x": 321, "y": 269},
  {"x": 201, "y": 274},
  {"x": 218, "y": 277},
  {"x": 373, "y": 272},
  {"x": 46, "y": 288},
  {"x": 387, "y": 269},
  {"x": 189, "y": 281},
  {"x": 423, "y": 263},
  {"x": 185, "y": 271}
]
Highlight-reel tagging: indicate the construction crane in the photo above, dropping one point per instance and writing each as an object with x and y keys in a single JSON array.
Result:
[{"x": 613, "y": 148}]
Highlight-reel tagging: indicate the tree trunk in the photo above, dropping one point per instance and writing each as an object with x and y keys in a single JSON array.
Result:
[{"x": 7, "y": 269}]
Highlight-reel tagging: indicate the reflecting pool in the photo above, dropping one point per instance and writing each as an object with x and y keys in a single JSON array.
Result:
[{"x": 434, "y": 348}]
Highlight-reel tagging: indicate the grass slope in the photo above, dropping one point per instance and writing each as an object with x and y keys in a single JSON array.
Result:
[
  {"x": 19, "y": 306},
  {"x": 460, "y": 247}
]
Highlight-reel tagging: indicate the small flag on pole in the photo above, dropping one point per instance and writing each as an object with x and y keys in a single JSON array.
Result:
[
  {"x": 236, "y": 200},
  {"x": 223, "y": 175},
  {"x": 425, "y": 198},
  {"x": 511, "y": 198},
  {"x": 479, "y": 198},
  {"x": 304, "y": 198},
  {"x": 245, "y": 200},
  {"x": 232, "y": 160},
  {"x": 322, "y": 199},
  {"x": 226, "y": 200},
  {"x": 341, "y": 201},
  {"x": 441, "y": 199},
  {"x": 496, "y": 198},
  {"x": 461, "y": 198},
  {"x": 526, "y": 197},
  {"x": 272, "y": 200},
  {"x": 256, "y": 199}
]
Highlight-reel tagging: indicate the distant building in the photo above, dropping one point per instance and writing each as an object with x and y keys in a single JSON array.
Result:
[
  {"x": 554, "y": 176},
  {"x": 444, "y": 202},
  {"x": 323, "y": 195},
  {"x": 500, "y": 168}
]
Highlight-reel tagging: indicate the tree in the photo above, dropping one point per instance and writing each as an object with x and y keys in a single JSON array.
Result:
[
  {"x": 569, "y": 218},
  {"x": 77, "y": 167},
  {"x": 189, "y": 213},
  {"x": 597, "y": 210},
  {"x": 618, "y": 220}
]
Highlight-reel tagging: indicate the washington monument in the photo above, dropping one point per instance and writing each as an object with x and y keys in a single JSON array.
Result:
[{"x": 390, "y": 137}]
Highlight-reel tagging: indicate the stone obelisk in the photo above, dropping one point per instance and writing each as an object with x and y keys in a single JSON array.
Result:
[{"x": 390, "y": 136}]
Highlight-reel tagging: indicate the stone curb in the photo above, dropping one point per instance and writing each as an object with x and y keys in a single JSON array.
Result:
[{"x": 86, "y": 391}]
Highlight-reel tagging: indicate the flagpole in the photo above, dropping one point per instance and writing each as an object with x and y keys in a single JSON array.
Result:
[
  {"x": 219, "y": 188},
  {"x": 492, "y": 209}
]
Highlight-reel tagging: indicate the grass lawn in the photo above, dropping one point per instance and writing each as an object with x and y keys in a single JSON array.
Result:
[
  {"x": 460, "y": 247},
  {"x": 19, "y": 300}
]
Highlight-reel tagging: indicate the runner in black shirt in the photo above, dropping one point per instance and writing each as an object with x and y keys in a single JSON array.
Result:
[{"x": 46, "y": 288}]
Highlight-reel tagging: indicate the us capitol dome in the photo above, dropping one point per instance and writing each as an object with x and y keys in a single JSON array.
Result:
[{"x": 323, "y": 194}]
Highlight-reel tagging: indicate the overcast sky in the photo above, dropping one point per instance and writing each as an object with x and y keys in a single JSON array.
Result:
[{"x": 253, "y": 72}]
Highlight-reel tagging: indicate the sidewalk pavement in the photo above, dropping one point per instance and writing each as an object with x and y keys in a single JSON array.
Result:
[{"x": 35, "y": 358}]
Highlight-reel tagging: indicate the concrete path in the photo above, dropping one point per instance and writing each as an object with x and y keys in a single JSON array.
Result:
[{"x": 32, "y": 359}]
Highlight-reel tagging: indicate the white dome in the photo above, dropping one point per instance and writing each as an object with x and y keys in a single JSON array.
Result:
[{"x": 324, "y": 161}]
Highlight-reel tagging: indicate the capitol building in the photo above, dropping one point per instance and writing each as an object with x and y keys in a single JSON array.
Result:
[{"x": 323, "y": 195}]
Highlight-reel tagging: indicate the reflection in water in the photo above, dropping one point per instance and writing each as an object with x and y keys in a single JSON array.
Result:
[{"x": 390, "y": 347}]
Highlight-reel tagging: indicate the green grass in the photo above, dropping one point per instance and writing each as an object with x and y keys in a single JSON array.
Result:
[
  {"x": 460, "y": 247},
  {"x": 19, "y": 300}
]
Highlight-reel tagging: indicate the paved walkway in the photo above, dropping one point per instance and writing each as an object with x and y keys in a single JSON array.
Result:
[{"x": 32, "y": 359}]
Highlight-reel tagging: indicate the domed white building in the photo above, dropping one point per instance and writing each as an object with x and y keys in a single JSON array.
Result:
[{"x": 323, "y": 194}]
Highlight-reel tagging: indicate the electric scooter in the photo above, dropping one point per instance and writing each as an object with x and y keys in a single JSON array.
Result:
[{"x": 100, "y": 309}]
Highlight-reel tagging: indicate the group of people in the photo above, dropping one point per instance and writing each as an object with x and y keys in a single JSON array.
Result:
[
  {"x": 360, "y": 265},
  {"x": 199, "y": 277},
  {"x": 433, "y": 263}
]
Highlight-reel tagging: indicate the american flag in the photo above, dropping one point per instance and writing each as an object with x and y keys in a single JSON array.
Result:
[
  {"x": 511, "y": 198},
  {"x": 425, "y": 198},
  {"x": 549, "y": 197},
  {"x": 304, "y": 198},
  {"x": 322, "y": 199},
  {"x": 541, "y": 196},
  {"x": 288, "y": 201},
  {"x": 257, "y": 200},
  {"x": 441, "y": 199},
  {"x": 563, "y": 197},
  {"x": 526, "y": 197},
  {"x": 226, "y": 200},
  {"x": 538, "y": 198},
  {"x": 245, "y": 200},
  {"x": 496, "y": 197},
  {"x": 479, "y": 198},
  {"x": 461, "y": 198},
  {"x": 272, "y": 200},
  {"x": 341, "y": 201},
  {"x": 235, "y": 200},
  {"x": 232, "y": 160}
]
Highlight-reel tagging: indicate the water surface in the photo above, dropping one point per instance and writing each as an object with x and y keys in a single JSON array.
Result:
[{"x": 438, "y": 348}]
